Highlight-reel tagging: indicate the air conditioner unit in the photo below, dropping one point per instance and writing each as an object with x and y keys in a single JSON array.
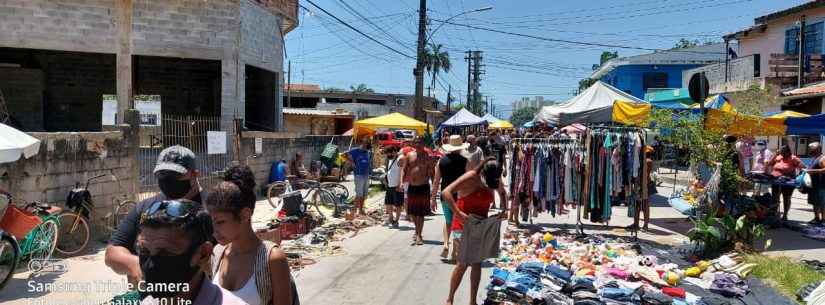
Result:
[{"x": 399, "y": 102}]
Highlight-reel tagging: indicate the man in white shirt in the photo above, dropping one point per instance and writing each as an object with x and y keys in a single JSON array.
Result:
[{"x": 473, "y": 153}]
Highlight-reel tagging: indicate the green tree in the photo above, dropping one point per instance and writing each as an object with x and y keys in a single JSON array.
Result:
[
  {"x": 586, "y": 83},
  {"x": 755, "y": 100},
  {"x": 523, "y": 115},
  {"x": 607, "y": 56},
  {"x": 436, "y": 60},
  {"x": 685, "y": 43},
  {"x": 361, "y": 88}
]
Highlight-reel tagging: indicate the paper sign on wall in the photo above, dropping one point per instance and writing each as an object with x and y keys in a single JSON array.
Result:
[
  {"x": 215, "y": 142},
  {"x": 259, "y": 145}
]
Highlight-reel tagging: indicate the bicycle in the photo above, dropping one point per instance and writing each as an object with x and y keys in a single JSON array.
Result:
[
  {"x": 121, "y": 205},
  {"x": 312, "y": 193},
  {"x": 37, "y": 245},
  {"x": 74, "y": 230}
]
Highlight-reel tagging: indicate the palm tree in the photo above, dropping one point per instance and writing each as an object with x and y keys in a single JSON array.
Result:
[{"x": 436, "y": 61}]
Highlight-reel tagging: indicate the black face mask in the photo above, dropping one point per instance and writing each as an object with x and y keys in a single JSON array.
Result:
[
  {"x": 172, "y": 187},
  {"x": 175, "y": 269}
]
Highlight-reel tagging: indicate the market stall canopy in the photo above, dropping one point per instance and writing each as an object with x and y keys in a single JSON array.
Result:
[
  {"x": 716, "y": 102},
  {"x": 811, "y": 125},
  {"x": 490, "y": 118},
  {"x": 15, "y": 143},
  {"x": 529, "y": 124},
  {"x": 787, "y": 114},
  {"x": 464, "y": 118},
  {"x": 739, "y": 124},
  {"x": 392, "y": 120},
  {"x": 677, "y": 98},
  {"x": 501, "y": 125},
  {"x": 631, "y": 113},
  {"x": 594, "y": 105}
]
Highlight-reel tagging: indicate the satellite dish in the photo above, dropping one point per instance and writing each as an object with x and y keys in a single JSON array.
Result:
[{"x": 699, "y": 87}]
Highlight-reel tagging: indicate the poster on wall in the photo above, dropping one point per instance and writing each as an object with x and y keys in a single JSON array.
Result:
[
  {"x": 147, "y": 105},
  {"x": 215, "y": 142},
  {"x": 259, "y": 145}
]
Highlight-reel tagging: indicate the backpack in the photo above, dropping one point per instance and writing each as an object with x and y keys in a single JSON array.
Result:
[{"x": 261, "y": 269}]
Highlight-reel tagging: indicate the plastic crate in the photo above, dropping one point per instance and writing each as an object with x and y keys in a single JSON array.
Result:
[
  {"x": 19, "y": 222},
  {"x": 291, "y": 230}
]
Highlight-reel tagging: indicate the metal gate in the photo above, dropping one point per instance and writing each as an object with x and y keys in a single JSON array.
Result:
[{"x": 185, "y": 130}]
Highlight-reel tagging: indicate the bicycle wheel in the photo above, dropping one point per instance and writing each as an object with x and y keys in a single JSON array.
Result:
[
  {"x": 74, "y": 233},
  {"x": 44, "y": 239},
  {"x": 274, "y": 192},
  {"x": 340, "y": 191},
  {"x": 321, "y": 197},
  {"x": 9, "y": 256},
  {"x": 121, "y": 212}
]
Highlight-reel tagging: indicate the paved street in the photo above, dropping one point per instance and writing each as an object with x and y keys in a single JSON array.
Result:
[{"x": 379, "y": 266}]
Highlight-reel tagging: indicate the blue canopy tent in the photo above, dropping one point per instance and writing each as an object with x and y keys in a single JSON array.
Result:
[
  {"x": 811, "y": 125},
  {"x": 529, "y": 124},
  {"x": 463, "y": 122}
]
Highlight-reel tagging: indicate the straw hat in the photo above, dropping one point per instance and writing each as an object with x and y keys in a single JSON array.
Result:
[{"x": 456, "y": 143}]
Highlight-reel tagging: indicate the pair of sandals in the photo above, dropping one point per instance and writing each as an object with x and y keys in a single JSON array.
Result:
[{"x": 739, "y": 267}]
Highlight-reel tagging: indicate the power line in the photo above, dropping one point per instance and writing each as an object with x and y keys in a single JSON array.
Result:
[
  {"x": 359, "y": 31},
  {"x": 594, "y": 44},
  {"x": 380, "y": 29}
]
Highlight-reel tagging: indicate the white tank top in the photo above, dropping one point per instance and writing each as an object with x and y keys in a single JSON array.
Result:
[
  {"x": 394, "y": 173},
  {"x": 248, "y": 293}
]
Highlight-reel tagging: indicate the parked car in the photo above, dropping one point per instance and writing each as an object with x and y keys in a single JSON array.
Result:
[
  {"x": 405, "y": 134},
  {"x": 388, "y": 138}
]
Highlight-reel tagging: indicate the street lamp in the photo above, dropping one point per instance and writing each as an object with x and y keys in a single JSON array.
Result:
[{"x": 481, "y": 9}]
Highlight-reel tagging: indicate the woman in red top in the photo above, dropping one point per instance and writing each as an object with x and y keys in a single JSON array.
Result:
[
  {"x": 785, "y": 164},
  {"x": 475, "y": 196}
]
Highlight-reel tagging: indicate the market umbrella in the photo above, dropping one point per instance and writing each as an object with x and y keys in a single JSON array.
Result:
[{"x": 14, "y": 143}]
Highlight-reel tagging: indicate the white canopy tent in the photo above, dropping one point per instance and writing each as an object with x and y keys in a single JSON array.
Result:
[
  {"x": 594, "y": 105},
  {"x": 15, "y": 143}
]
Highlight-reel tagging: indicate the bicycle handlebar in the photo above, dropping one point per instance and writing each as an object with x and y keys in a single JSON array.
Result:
[{"x": 93, "y": 178}]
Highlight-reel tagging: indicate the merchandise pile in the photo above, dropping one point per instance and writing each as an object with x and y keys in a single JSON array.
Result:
[{"x": 543, "y": 268}]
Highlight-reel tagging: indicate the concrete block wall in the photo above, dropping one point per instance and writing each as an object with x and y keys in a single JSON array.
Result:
[
  {"x": 67, "y": 158},
  {"x": 285, "y": 149},
  {"x": 83, "y": 26},
  {"x": 75, "y": 85},
  {"x": 23, "y": 91},
  {"x": 261, "y": 41},
  {"x": 185, "y": 28},
  {"x": 185, "y": 86}
]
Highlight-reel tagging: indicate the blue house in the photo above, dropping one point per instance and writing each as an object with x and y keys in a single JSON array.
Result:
[{"x": 636, "y": 74}]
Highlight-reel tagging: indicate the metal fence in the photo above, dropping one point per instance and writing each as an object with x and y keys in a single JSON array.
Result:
[{"x": 185, "y": 130}]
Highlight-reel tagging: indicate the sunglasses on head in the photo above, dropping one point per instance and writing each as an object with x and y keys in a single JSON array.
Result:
[{"x": 169, "y": 210}]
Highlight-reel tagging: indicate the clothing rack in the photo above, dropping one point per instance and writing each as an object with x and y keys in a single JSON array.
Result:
[
  {"x": 557, "y": 140},
  {"x": 612, "y": 127}
]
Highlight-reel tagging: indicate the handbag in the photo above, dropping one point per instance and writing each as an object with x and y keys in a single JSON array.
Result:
[{"x": 803, "y": 181}]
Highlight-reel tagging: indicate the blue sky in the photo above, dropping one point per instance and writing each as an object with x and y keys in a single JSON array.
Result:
[{"x": 325, "y": 52}]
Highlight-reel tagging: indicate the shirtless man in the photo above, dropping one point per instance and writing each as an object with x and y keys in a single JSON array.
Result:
[{"x": 417, "y": 168}]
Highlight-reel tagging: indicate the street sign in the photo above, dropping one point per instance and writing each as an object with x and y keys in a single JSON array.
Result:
[{"x": 699, "y": 87}]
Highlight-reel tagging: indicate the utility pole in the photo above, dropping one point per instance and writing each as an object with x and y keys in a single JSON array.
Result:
[
  {"x": 419, "y": 62},
  {"x": 449, "y": 97},
  {"x": 476, "y": 55},
  {"x": 800, "y": 77},
  {"x": 469, "y": 58},
  {"x": 288, "y": 84},
  {"x": 429, "y": 91}
]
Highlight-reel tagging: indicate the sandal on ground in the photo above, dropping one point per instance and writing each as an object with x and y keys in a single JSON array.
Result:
[{"x": 445, "y": 252}]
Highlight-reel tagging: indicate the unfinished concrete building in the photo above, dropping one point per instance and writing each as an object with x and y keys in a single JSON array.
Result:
[{"x": 217, "y": 58}]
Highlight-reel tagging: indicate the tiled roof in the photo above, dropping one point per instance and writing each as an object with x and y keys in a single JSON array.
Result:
[
  {"x": 303, "y": 87},
  {"x": 316, "y": 112},
  {"x": 816, "y": 89}
]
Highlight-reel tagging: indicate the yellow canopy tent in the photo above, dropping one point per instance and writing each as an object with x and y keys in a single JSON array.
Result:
[
  {"x": 392, "y": 120},
  {"x": 501, "y": 124},
  {"x": 630, "y": 113},
  {"x": 789, "y": 114},
  {"x": 744, "y": 125}
]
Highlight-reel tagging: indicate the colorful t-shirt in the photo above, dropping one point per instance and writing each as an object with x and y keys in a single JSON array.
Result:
[{"x": 786, "y": 167}]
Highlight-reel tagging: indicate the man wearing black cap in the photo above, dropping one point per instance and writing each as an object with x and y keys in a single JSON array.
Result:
[{"x": 177, "y": 179}]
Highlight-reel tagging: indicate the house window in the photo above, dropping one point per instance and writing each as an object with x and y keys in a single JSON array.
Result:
[
  {"x": 654, "y": 80},
  {"x": 813, "y": 39}
]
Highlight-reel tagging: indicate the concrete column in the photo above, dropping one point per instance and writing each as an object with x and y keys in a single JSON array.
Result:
[
  {"x": 124, "y": 58},
  {"x": 131, "y": 136}
]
